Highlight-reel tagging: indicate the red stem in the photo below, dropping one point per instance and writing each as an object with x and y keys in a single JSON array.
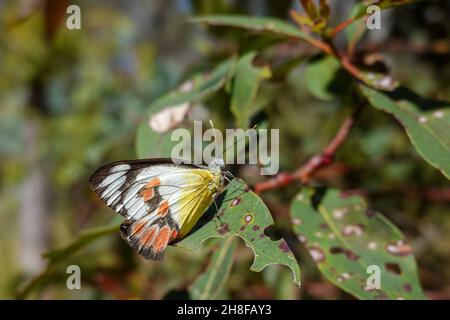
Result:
[{"x": 325, "y": 158}]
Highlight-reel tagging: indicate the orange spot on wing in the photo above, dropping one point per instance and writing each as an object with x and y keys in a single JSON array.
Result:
[
  {"x": 174, "y": 234},
  {"x": 155, "y": 182},
  {"x": 138, "y": 225},
  {"x": 149, "y": 236},
  {"x": 162, "y": 238},
  {"x": 163, "y": 208},
  {"x": 147, "y": 194}
]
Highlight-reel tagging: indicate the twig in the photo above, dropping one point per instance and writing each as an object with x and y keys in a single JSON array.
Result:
[
  {"x": 305, "y": 172},
  {"x": 342, "y": 26}
]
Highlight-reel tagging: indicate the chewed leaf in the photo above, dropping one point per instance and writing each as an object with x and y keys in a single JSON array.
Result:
[
  {"x": 347, "y": 241},
  {"x": 426, "y": 122},
  {"x": 242, "y": 213}
]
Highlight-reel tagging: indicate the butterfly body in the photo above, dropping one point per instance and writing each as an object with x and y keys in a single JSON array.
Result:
[{"x": 160, "y": 200}]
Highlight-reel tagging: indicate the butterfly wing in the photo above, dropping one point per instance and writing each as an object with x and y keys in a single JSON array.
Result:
[{"x": 161, "y": 201}]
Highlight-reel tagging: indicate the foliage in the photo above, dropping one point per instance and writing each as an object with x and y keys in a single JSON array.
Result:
[
  {"x": 341, "y": 97},
  {"x": 345, "y": 239}
]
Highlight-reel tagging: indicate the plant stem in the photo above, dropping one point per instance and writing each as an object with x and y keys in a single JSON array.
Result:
[{"x": 325, "y": 158}]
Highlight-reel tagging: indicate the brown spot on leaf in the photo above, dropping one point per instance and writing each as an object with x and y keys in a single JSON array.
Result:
[
  {"x": 370, "y": 213},
  {"x": 407, "y": 287},
  {"x": 302, "y": 238},
  {"x": 340, "y": 213},
  {"x": 351, "y": 255},
  {"x": 353, "y": 230},
  {"x": 382, "y": 296},
  {"x": 393, "y": 267},
  {"x": 223, "y": 229},
  {"x": 344, "y": 276},
  {"x": 399, "y": 248},
  {"x": 248, "y": 218},
  {"x": 316, "y": 254},
  {"x": 235, "y": 202},
  {"x": 256, "y": 227},
  {"x": 336, "y": 250},
  {"x": 284, "y": 246},
  {"x": 348, "y": 253}
]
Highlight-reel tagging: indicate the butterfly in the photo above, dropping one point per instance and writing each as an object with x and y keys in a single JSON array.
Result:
[{"x": 160, "y": 199}]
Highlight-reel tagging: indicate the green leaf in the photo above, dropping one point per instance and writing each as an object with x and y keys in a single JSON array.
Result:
[
  {"x": 208, "y": 284},
  {"x": 355, "y": 31},
  {"x": 151, "y": 144},
  {"x": 57, "y": 255},
  {"x": 245, "y": 87},
  {"x": 197, "y": 88},
  {"x": 242, "y": 213},
  {"x": 427, "y": 122},
  {"x": 320, "y": 74},
  {"x": 65, "y": 252},
  {"x": 360, "y": 8},
  {"x": 154, "y": 140},
  {"x": 344, "y": 238},
  {"x": 258, "y": 24}
]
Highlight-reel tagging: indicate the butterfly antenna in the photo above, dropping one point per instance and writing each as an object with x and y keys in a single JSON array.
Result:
[
  {"x": 215, "y": 136},
  {"x": 238, "y": 140}
]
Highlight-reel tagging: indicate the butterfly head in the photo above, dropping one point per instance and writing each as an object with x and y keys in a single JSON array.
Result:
[{"x": 216, "y": 167}]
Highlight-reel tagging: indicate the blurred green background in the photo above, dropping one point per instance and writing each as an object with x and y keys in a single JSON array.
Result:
[{"x": 72, "y": 100}]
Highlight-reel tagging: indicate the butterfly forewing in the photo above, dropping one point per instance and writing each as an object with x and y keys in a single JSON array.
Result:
[{"x": 160, "y": 200}]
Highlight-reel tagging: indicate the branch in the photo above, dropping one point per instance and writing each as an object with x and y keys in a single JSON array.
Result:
[{"x": 325, "y": 158}]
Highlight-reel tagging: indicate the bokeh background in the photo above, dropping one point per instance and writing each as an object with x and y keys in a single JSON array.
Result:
[{"x": 72, "y": 100}]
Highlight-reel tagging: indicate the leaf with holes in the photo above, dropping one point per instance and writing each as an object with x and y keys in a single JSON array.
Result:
[
  {"x": 427, "y": 122},
  {"x": 242, "y": 213},
  {"x": 348, "y": 242},
  {"x": 245, "y": 86},
  {"x": 257, "y": 24},
  {"x": 209, "y": 283}
]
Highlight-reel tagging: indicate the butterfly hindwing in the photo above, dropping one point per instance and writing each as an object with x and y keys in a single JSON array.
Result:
[
  {"x": 148, "y": 237},
  {"x": 158, "y": 199}
]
